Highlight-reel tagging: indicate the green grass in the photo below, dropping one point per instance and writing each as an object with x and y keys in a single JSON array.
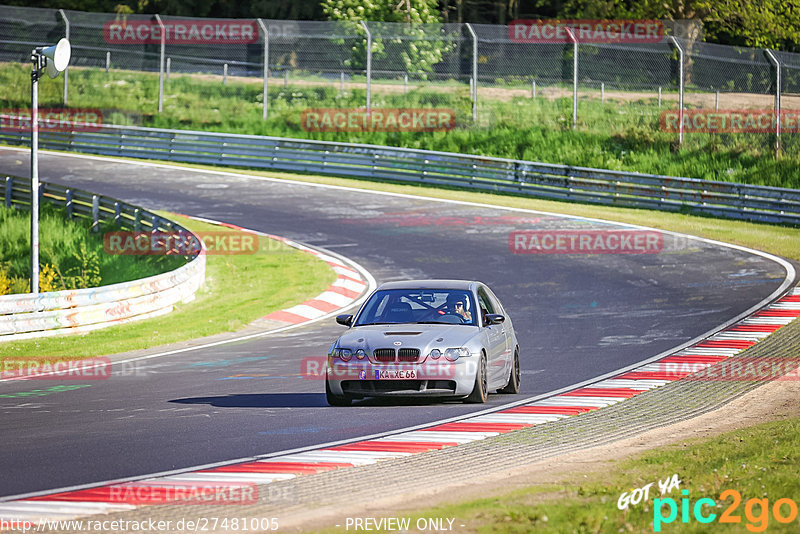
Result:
[
  {"x": 60, "y": 241},
  {"x": 612, "y": 135},
  {"x": 759, "y": 462},
  {"x": 238, "y": 290}
]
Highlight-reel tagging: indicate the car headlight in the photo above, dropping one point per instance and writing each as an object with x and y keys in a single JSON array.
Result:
[
  {"x": 344, "y": 354},
  {"x": 435, "y": 354},
  {"x": 454, "y": 354},
  {"x": 361, "y": 354}
]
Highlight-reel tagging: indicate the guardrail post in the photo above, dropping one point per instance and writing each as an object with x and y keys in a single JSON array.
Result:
[
  {"x": 680, "y": 86},
  {"x": 369, "y": 65},
  {"x": 69, "y": 203},
  {"x": 574, "y": 41},
  {"x": 117, "y": 213},
  {"x": 95, "y": 212},
  {"x": 777, "y": 104},
  {"x": 66, "y": 70},
  {"x": 161, "y": 63},
  {"x": 474, "y": 83},
  {"x": 136, "y": 222},
  {"x": 9, "y": 190},
  {"x": 265, "y": 106},
  {"x": 153, "y": 224}
]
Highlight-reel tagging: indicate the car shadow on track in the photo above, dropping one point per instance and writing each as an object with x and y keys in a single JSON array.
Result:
[
  {"x": 301, "y": 400},
  {"x": 263, "y": 400}
]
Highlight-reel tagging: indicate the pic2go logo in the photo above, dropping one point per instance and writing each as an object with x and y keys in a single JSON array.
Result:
[{"x": 756, "y": 511}]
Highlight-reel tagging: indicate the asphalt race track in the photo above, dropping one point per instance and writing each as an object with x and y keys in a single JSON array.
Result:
[{"x": 577, "y": 317}]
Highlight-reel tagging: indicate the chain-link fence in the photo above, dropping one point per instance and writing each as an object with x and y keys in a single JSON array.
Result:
[{"x": 278, "y": 77}]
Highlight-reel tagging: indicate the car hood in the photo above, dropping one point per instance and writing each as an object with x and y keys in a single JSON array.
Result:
[{"x": 425, "y": 337}]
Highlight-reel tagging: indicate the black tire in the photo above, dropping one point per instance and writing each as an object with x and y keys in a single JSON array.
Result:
[
  {"x": 336, "y": 400},
  {"x": 513, "y": 377},
  {"x": 480, "y": 389}
]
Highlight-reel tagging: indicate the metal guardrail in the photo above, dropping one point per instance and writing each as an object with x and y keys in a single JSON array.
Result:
[
  {"x": 27, "y": 315},
  {"x": 545, "y": 180}
]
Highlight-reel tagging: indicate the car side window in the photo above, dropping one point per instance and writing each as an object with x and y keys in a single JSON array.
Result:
[
  {"x": 498, "y": 308},
  {"x": 485, "y": 303}
]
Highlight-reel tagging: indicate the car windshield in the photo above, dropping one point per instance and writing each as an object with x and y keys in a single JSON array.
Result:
[{"x": 418, "y": 306}]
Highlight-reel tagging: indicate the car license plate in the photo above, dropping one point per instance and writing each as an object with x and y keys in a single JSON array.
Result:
[{"x": 398, "y": 374}]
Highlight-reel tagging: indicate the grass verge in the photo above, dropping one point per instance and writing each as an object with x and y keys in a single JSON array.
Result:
[
  {"x": 758, "y": 462},
  {"x": 238, "y": 290},
  {"x": 622, "y": 133},
  {"x": 71, "y": 254}
]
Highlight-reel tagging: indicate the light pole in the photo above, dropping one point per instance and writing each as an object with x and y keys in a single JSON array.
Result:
[{"x": 53, "y": 60}]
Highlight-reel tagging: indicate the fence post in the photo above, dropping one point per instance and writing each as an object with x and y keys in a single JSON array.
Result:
[
  {"x": 533, "y": 89},
  {"x": 659, "y": 96},
  {"x": 574, "y": 41},
  {"x": 716, "y": 101},
  {"x": 474, "y": 72},
  {"x": 602, "y": 92},
  {"x": 161, "y": 63},
  {"x": 341, "y": 83},
  {"x": 224, "y": 73},
  {"x": 95, "y": 212},
  {"x": 108, "y": 61},
  {"x": 66, "y": 70},
  {"x": 405, "y": 83},
  {"x": 9, "y": 190},
  {"x": 169, "y": 68},
  {"x": 681, "y": 87},
  {"x": 265, "y": 107},
  {"x": 777, "y": 105},
  {"x": 369, "y": 65}
]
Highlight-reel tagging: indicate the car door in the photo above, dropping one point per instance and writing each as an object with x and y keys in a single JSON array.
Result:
[
  {"x": 495, "y": 341},
  {"x": 508, "y": 332}
]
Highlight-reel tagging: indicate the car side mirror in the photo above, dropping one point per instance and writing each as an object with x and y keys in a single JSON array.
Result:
[
  {"x": 344, "y": 320},
  {"x": 494, "y": 318}
]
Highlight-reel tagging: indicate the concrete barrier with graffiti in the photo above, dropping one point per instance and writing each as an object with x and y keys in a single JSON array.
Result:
[{"x": 79, "y": 310}]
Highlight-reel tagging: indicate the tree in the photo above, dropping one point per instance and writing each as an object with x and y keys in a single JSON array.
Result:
[{"x": 411, "y": 40}]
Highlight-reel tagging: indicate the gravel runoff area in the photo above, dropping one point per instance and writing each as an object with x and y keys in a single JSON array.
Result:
[{"x": 425, "y": 479}]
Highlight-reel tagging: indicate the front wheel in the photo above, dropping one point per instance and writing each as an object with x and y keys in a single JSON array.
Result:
[
  {"x": 513, "y": 377},
  {"x": 480, "y": 389},
  {"x": 336, "y": 400}
]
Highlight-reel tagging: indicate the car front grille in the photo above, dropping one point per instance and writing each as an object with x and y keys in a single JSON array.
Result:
[
  {"x": 408, "y": 355},
  {"x": 402, "y": 355},
  {"x": 383, "y": 355}
]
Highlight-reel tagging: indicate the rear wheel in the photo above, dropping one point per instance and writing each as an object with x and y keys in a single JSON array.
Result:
[
  {"x": 336, "y": 400},
  {"x": 480, "y": 389},
  {"x": 513, "y": 377}
]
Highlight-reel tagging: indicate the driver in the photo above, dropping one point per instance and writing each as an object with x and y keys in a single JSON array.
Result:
[{"x": 456, "y": 306}]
